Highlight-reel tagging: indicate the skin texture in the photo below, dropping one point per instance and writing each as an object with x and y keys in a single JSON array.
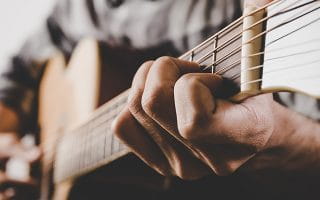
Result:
[{"x": 175, "y": 122}]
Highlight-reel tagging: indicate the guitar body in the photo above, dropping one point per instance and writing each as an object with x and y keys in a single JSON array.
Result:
[{"x": 68, "y": 95}]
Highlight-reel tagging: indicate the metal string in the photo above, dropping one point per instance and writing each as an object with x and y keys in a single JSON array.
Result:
[{"x": 238, "y": 49}]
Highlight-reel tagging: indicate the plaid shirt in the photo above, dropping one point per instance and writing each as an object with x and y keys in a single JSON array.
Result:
[{"x": 138, "y": 24}]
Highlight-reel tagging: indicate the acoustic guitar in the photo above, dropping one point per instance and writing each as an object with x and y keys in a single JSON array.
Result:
[{"x": 269, "y": 49}]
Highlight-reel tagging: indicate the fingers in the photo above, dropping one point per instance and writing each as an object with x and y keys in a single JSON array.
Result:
[
  {"x": 226, "y": 134},
  {"x": 195, "y": 104},
  {"x": 195, "y": 108},
  {"x": 158, "y": 95},
  {"x": 131, "y": 133},
  {"x": 201, "y": 115},
  {"x": 175, "y": 122},
  {"x": 179, "y": 161}
]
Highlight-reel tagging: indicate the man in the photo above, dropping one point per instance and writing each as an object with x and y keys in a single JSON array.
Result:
[{"x": 256, "y": 134}]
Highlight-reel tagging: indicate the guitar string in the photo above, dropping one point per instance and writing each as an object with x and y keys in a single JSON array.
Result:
[
  {"x": 238, "y": 35},
  {"x": 316, "y": 76},
  {"x": 277, "y": 70},
  {"x": 238, "y": 49},
  {"x": 261, "y": 53},
  {"x": 229, "y": 67}
]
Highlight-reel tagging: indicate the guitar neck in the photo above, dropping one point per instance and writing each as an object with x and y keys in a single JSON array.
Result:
[
  {"x": 236, "y": 53},
  {"x": 92, "y": 144}
]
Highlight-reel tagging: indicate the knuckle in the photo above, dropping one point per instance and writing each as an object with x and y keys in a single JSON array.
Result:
[
  {"x": 164, "y": 60},
  {"x": 134, "y": 102},
  {"x": 191, "y": 130},
  {"x": 187, "y": 79},
  {"x": 187, "y": 131},
  {"x": 187, "y": 82},
  {"x": 145, "y": 66},
  {"x": 117, "y": 127},
  {"x": 147, "y": 63},
  {"x": 143, "y": 69},
  {"x": 153, "y": 99}
]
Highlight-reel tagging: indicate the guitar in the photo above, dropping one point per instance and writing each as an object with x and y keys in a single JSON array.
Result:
[{"x": 270, "y": 49}]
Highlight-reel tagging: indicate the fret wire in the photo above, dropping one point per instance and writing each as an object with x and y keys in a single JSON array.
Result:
[
  {"x": 214, "y": 55},
  {"x": 102, "y": 122},
  {"x": 89, "y": 137},
  {"x": 110, "y": 109},
  {"x": 85, "y": 149},
  {"x": 111, "y": 146},
  {"x": 209, "y": 41},
  {"x": 107, "y": 145},
  {"x": 107, "y": 121},
  {"x": 191, "y": 56}
]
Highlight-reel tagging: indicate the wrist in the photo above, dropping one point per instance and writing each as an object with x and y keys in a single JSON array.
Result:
[
  {"x": 284, "y": 126},
  {"x": 294, "y": 144}
]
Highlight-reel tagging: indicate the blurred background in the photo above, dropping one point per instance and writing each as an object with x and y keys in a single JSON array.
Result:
[{"x": 18, "y": 19}]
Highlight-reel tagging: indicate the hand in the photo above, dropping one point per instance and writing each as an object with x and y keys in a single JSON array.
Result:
[
  {"x": 175, "y": 123},
  {"x": 16, "y": 159},
  {"x": 15, "y": 183}
]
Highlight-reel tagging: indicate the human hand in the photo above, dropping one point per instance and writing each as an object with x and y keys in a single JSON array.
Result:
[
  {"x": 177, "y": 125},
  {"x": 16, "y": 158}
]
